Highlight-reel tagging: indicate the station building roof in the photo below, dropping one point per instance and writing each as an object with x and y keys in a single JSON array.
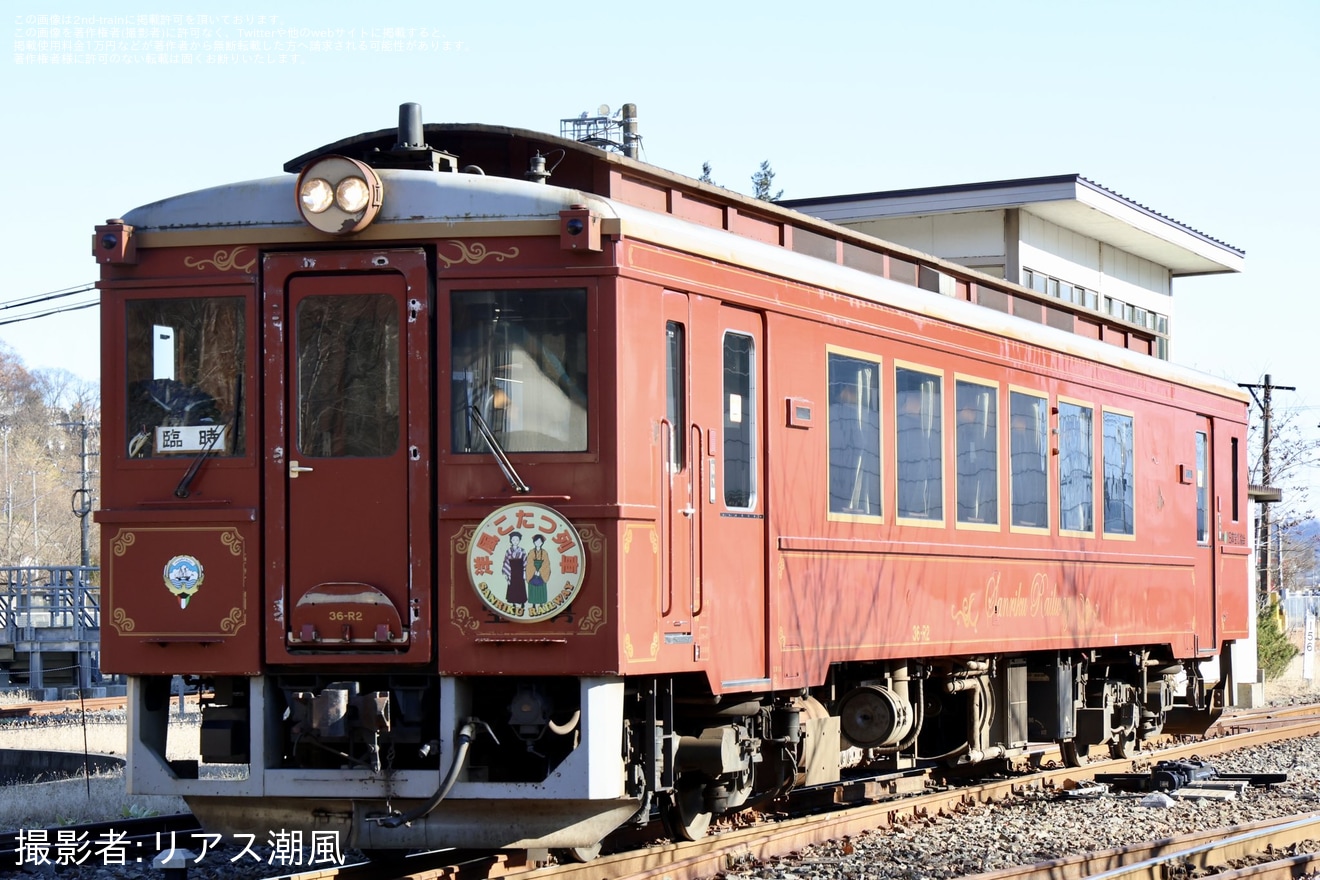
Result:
[{"x": 1067, "y": 200}]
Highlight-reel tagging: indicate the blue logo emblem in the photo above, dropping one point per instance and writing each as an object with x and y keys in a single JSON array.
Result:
[{"x": 183, "y": 577}]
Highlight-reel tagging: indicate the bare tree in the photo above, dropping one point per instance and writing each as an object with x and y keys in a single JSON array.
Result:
[
  {"x": 1291, "y": 526},
  {"x": 42, "y": 418}
]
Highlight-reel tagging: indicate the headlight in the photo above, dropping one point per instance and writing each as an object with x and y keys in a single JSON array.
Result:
[
  {"x": 339, "y": 195},
  {"x": 316, "y": 195},
  {"x": 352, "y": 194}
]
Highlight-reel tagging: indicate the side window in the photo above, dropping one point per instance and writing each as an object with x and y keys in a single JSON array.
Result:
[
  {"x": 184, "y": 372},
  {"x": 676, "y": 394},
  {"x": 854, "y": 435},
  {"x": 739, "y": 421},
  {"x": 1028, "y": 453},
  {"x": 919, "y": 429},
  {"x": 977, "y": 448},
  {"x": 1202, "y": 488},
  {"x": 1119, "y": 475},
  {"x": 1076, "y": 468}
]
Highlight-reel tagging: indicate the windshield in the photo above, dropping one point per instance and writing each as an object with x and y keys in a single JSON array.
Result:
[
  {"x": 184, "y": 374},
  {"x": 519, "y": 357}
]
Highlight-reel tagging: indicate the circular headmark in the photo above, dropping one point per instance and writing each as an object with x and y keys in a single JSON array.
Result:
[{"x": 526, "y": 562}]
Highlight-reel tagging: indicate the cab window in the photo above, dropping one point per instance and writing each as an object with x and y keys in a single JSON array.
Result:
[
  {"x": 184, "y": 376},
  {"x": 518, "y": 365}
]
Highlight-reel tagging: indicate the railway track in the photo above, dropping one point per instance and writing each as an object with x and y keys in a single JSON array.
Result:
[
  {"x": 59, "y": 707},
  {"x": 768, "y": 837},
  {"x": 1271, "y": 850},
  {"x": 765, "y": 837}
]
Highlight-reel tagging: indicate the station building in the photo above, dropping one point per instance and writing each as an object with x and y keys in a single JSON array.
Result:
[{"x": 1098, "y": 263}]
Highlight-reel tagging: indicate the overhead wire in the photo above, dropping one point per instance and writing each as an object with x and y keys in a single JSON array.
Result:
[{"x": 37, "y": 299}]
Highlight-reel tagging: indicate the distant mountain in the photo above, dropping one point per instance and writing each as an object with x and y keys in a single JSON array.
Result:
[{"x": 1309, "y": 530}]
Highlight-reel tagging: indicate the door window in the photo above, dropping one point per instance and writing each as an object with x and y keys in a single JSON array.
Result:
[
  {"x": 348, "y": 376},
  {"x": 739, "y": 421},
  {"x": 676, "y": 394},
  {"x": 1202, "y": 488}
]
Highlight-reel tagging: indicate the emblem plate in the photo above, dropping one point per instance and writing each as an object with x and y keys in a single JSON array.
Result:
[
  {"x": 183, "y": 577},
  {"x": 526, "y": 562}
]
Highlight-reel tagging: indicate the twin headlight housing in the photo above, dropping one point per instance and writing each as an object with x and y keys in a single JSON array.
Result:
[{"x": 339, "y": 195}]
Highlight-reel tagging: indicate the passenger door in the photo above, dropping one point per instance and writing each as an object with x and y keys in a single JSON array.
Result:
[
  {"x": 729, "y": 401},
  {"x": 680, "y": 462},
  {"x": 347, "y": 416}
]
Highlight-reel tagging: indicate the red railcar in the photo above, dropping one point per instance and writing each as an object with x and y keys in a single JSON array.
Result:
[{"x": 497, "y": 511}]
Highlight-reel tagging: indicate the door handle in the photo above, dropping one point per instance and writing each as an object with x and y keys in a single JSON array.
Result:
[{"x": 295, "y": 469}]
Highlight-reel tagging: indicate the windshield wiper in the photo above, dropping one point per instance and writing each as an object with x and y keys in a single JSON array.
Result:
[
  {"x": 181, "y": 491},
  {"x": 501, "y": 458}
]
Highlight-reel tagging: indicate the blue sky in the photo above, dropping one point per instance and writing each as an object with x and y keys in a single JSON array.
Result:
[{"x": 1206, "y": 112}]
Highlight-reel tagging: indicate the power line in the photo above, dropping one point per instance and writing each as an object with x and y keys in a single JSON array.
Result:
[
  {"x": 46, "y": 297},
  {"x": 49, "y": 312}
]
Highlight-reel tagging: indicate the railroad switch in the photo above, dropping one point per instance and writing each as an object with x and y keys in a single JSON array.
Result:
[{"x": 1172, "y": 775}]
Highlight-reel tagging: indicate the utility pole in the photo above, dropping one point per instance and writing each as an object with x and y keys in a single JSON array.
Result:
[
  {"x": 82, "y": 498},
  {"x": 1263, "y": 539}
]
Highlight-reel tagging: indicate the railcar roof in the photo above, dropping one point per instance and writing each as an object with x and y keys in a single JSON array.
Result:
[
  {"x": 413, "y": 197},
  {"x": 430, "y": 198}
]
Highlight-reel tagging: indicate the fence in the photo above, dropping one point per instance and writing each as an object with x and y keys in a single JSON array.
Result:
[{"x": 65, "y": 597}]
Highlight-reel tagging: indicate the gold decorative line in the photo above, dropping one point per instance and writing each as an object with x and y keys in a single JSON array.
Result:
[
  {"x": 122, "y": 542},
  {"x": 627, "y": 541},
  {"x": 122, "y": 623},
  {"x": 475, "y": 253},
  {"x": 655, "y": 644},
  {"x": 627, "y": 645},
  {"x": 222, "y": 261},
  {"x": 594, "y": 620},
  {"x": 592, "y": 537},
  {"x": 655, "y": 542},
  {"x": 234, "y": 622},
  {"x": 233, "y": 540},
  {"x": 463, "y": 540},
  {"x": 463, "y": 619},
  {"x": 967, "y": 615}
]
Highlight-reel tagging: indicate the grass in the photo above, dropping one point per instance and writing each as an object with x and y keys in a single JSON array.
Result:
[{"x": 67, "y": 801}]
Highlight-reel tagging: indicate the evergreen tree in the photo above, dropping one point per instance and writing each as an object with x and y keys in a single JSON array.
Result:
[{"x": 762, "y": 181}]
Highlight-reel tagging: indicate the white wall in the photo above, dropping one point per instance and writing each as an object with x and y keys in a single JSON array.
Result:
[
  {"x": 972, "y": 238},
  {"x": 1073, "y": 257}
]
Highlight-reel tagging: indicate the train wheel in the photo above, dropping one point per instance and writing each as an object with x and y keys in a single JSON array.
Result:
[
  {"x": 1124, "y": 745},
  {"x": 579, "y": 853},
  {"x": 1124, "y": 739},
  {"x": 683, "y": 814},
  {"x": 1073, "y": 753}
]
